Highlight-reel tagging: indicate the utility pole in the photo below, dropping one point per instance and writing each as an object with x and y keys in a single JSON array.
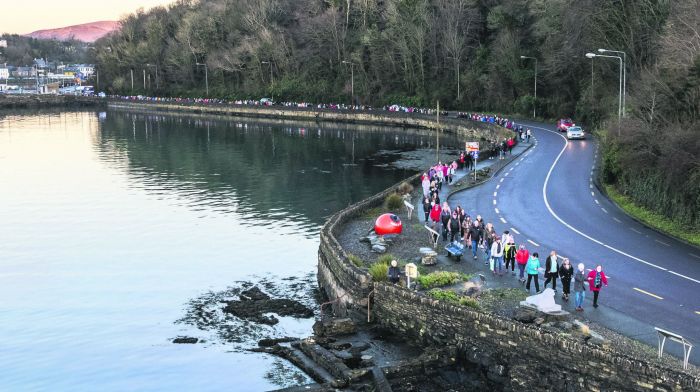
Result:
[
  {"x": 144, "y": 80},
  {"x": 272, "y": 81},
  {"x": 132, "y": 80},
  {"x": 534, "y": 105},
  {"x": 352, "y": 81},
  {"x": 437, "y": 134},
  {"x": 206, "y": 76}
]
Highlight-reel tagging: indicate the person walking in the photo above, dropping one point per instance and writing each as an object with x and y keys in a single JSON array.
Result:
[
  {"x": 497, "y": 256},
  {"x": 475, "y": 237},
  {"x": 509, "y": 251},
  {"x": 528, "y": 134},
  {"x": 454, "y": 226},
  {"x": 426, "y": 208},
  {"x": 566, "y": 271},
  {"x": 533, "y": 267},
  {"x": 580, "y": 286},
  {"x": 489, "y": 238},
  {"x": 551, "y": 270},
  {"x": 445, "y": 215},
  {"x": 596, "y": 280},
  {"x": 521, "y": 258}
]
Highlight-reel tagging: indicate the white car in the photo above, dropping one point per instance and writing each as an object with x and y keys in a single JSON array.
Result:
[{"x": 575, "y": 132}]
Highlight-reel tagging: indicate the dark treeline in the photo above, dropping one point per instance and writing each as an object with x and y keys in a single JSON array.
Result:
[
  {"x": 21, "y": 51},
  {"x": 464, "y": 53}
]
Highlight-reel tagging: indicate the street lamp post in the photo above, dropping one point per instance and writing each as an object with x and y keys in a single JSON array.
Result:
[
  {"x": 352, "y": 81},
  {"x": 624, "y": 76},
  {"x": 156, "y": 66},
  {"x": 534, "y": 105},
  {"x": 272, "y": 82},
  {"x": 206, "y": 76},
  {"x": 619, "y": 100}
]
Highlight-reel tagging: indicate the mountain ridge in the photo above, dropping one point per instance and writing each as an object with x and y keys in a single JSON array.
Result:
[{"x": 86, "y": 32}]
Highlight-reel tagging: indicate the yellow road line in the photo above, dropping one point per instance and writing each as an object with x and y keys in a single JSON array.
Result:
[{"x": 647, "y": 293}]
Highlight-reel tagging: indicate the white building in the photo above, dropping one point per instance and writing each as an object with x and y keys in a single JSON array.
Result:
[
  {"x": 86, "y": 70},
  {"x": 4, "y": 73}
]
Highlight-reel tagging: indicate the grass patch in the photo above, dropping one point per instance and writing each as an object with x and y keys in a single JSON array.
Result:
[
  {"x": 379, "y": 272},
  {"x": 452, "y": 297},
  {"x": 372, "y": 213},
  {"x": 355, "y": 260},
  {"x": 386, "y": 259},
  {"x": 440, "y": 278},
  {"x": 652, "y": 219}
]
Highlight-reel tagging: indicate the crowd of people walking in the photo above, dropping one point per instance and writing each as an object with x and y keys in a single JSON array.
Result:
[{"x": 501, "y": 252}]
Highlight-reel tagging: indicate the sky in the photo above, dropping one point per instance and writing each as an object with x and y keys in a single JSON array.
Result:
[{"x": 17, "y": 17}]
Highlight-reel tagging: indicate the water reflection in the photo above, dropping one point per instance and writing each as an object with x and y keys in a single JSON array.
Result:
[{"x": 113, "y": 223}]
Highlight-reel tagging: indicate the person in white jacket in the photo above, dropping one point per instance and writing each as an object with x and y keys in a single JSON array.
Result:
[{"x": 497, "y": 256}]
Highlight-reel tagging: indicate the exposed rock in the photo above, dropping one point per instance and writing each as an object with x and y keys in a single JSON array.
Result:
[
  {"x": 335, "y": 326},
  {"x": 185, "y": 340},
  {"x": 539, "y": 321},
  {"x": 271, "y": 342},
  {"x": 253, "y": 305},
  {"x": 378, "y": 249},
  {"x": 524, "y": 315}
]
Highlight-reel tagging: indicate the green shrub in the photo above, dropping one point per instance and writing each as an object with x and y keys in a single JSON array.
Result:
[
  {"x": 469, "y": 302},
  {"x": 440, "y": 278},
  {"x": 405, "y": 188},
  {"x": 452, "y": 297},
  {"x": 355, "y": 260},
  {"x": 386, "y": 259},
  {"x": 379, "y": 272},
  {"x": 393, "y": 202}
]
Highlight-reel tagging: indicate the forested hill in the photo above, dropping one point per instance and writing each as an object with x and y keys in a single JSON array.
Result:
[{"x": 415, "y": 52}]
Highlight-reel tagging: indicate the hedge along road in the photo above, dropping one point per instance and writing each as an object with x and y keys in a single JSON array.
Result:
[{"x": 548, "y": 199}]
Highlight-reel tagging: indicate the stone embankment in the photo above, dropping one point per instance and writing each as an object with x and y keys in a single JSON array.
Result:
[
  {"x": 27, "y": 101},
  {"x": 509, "y": 354},
  {"x": 473, "y": 130}
]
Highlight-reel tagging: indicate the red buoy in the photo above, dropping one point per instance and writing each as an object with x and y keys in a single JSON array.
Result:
[{"x": 388, "y": 224}]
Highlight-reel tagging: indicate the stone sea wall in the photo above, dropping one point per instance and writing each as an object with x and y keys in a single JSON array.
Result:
[
  {"x": 27, "y": 101},
  {"x": 511, "y": 355},
  {"x": 471, "y": 130}
]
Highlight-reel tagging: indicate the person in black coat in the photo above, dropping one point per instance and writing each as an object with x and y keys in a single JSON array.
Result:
[
  {"x": 551, "y": 270},
  {"x": 394, "y": 273},
  {"x": 566, "y": 271},
  {"x": 426, "y": 208}
]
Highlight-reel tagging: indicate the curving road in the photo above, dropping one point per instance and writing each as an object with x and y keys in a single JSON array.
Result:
[{"x": 549, "y": 201}]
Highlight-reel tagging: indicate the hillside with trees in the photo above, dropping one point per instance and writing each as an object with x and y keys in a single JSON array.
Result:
[{"x": 464, "y": 53}]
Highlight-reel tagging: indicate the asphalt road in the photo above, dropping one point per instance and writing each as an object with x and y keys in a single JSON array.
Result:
[{"x": 548, "y": 200}]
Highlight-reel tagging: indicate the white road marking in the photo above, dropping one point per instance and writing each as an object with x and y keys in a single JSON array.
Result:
[
  {"x": 551, "y": 211},
  {"x": 647, "y": 293},
  {"x": 496, "y": 209},
  {"x": 522, "y": 159},
  {"x": 592, "y": 194},
  {"x": 635, "y": 230},
  {"x": 517, "y": 163},
  {"x": 694, "y": 255},
  {"x": 502, "y": 179},
  {"x": 503, "y": 220},
  {"x": 590, "y": 186},
  {"x": 596, "y": 201},
  {"x": 506, "y": 175},
  {"x": 533, "y": 242},
  {"x": 495, "y": 194},
  {"x": 604, "y": 210},
  {"x": 494, "y": 202},
  {"x": 617, "y": 220},
  {"x": 686, "y": 277},
  {"x": 696, "y": 312},
  {"x": 498, "y": 186},
  {"x": 662, "y": 243},
  {"x": 514, "y": 231}
]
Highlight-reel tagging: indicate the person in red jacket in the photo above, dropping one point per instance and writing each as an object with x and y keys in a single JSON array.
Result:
[
  {"x": 522, "y": 257},
  {"x": 596, "y": 280}
]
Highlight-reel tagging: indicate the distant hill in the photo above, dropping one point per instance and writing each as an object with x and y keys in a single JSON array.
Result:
[{"x": 88, "y": 32}]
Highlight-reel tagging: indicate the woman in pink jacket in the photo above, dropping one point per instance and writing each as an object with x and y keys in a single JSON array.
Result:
[{"x": 596, "y": 280}]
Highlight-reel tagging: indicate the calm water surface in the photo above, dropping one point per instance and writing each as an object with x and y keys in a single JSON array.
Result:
[{"x": 111, "y": 222}]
